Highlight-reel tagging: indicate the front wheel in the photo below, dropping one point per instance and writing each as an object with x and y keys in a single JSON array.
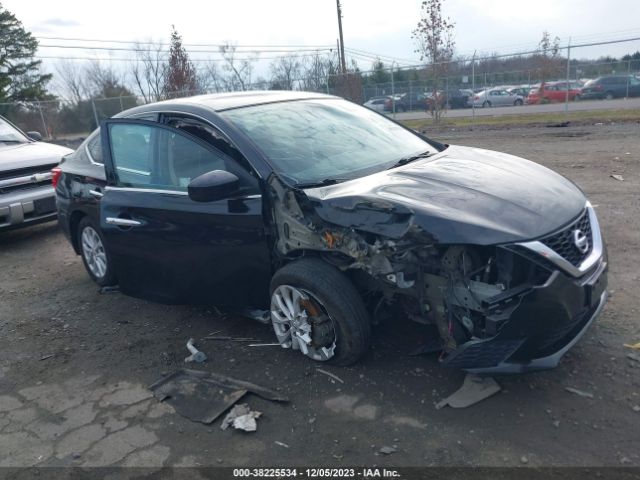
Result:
[
  {"x": 608, "y": 96},
  {"x": 517, "y": 103},
  {"x": 94, "y": 254},
  {"x": 316, "y": 310}
]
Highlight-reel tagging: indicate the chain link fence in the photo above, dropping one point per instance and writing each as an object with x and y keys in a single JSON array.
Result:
[{"x": 60, "y": 119}]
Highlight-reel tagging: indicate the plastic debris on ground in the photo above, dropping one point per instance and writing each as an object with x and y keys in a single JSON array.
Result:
[
  {"x": 474, "y": 389},
  {"x": 204, "y": 396},
  {"x": 196, "y": 355},
  {"x": 241, "y": 417}
]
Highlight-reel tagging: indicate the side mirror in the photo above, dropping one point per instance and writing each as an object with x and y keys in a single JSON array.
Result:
[
  {"x": 35, "y": 136},
  {"x": 212, "y": 186}
]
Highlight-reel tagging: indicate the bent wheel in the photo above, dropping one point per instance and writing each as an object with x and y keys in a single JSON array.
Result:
[{"x": 317, "y": 311}]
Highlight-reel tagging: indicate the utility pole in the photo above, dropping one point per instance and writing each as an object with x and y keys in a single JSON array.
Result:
[
  {"x": 343, "y": 62},
  {"x": 566, "y": 95}
]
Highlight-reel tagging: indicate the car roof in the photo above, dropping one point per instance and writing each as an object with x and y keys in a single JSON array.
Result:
[{"x": 227, "y": 101}]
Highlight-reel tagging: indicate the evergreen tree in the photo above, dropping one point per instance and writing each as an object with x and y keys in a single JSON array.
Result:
[{"x": 20, "y": 76}]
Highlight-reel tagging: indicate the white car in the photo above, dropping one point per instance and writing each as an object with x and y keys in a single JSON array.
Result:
[
  {"x": 26, "y": 192},
  {"x": 376, "y": 103},
  {"x": 496, "y": 97}
]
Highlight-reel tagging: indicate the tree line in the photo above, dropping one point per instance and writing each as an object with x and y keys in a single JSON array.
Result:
[{"x": 156, "y": 72}]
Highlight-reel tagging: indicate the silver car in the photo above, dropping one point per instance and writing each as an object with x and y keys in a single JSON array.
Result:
[
  {"x": 376, "y": 103},
  {"x": 26, "y": 192},
  {"x": 496, "y": 97}
]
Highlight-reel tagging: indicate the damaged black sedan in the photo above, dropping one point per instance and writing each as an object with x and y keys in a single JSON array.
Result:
[{"x": 336, "y": 218}]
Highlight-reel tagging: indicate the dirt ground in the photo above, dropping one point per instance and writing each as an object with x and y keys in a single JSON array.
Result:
[{"x": 75, "y": 364}]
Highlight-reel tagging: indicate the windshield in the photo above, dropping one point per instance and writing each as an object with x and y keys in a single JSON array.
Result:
[
  {"x": 9, "y": 134},
  {"x": 315, "y": 141}
]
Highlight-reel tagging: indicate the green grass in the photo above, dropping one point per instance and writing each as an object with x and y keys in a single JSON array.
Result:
[{"x": 577, "y": 117}]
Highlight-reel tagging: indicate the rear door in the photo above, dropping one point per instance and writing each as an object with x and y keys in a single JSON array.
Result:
[{"x": 165, "y": 246}]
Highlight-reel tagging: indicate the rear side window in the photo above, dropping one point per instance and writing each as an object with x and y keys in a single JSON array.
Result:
[{"x": 94, "y": 147}]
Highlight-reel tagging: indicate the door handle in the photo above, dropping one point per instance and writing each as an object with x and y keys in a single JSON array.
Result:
[
  {"x": 96, "y": 193},
  {"x": 123, "y": 222}
]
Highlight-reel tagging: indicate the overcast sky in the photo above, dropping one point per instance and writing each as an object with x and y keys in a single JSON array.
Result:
[{"x": 382, "y": 27}]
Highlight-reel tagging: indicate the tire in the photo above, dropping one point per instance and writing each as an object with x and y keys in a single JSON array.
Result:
[
  {"x": 576, "y": 98},
  {"x": 338, "y": 298},
  {"x": 88, "y": 231},
  {"x": 517, "y": 103},
  {"x": 608, "y": 96},
  {"x": 486, "y": 103}
]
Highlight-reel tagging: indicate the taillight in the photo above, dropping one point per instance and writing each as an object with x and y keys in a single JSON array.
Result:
[
  {"x": 476, "y": 97},
  {"x": 56, "y": 173}
]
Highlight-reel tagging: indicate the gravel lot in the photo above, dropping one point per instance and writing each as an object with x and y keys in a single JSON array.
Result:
[{"x": 74, "y": 363}]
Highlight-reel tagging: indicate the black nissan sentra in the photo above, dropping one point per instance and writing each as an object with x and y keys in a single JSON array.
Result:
[{"x": 336, "y": 218}]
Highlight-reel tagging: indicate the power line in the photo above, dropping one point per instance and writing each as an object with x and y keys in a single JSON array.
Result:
[
  {"x": 164, "y": 44},
  {"x": 122, "y": 49},
  {"x": 115, "y": 59}
]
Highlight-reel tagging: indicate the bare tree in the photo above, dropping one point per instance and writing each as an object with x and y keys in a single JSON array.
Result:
[
  {"x": 435, "y": 44},
  {"x": 239, "y": 69},
  {"x": 103, "y": 80},
  {"x": 210, "y": 78},
  {"x": 69, "y": 78},
  {"x": 149, "y": 71},
  {"x": 285, "y": 72},
  {"x": 315, "y": 71}
]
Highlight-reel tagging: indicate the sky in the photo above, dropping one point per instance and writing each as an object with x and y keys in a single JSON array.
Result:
[{"x": 373, "y": 26}]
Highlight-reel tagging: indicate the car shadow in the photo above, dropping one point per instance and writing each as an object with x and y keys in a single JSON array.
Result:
[{"x": 28, "y": 234}]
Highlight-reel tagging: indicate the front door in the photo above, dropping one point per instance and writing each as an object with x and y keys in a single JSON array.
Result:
[{"x": 165, "y": 246}]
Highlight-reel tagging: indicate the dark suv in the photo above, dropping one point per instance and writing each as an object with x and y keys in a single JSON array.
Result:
[{"x": 611, "y": 86}]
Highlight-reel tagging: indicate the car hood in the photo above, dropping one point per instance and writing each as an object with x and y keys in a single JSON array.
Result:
[
  {"x": 32, "y": 154},
  {"x": 461, "y": 195}
]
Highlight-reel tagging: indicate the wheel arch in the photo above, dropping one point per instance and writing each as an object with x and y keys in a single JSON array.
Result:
[{"x": 74, "y": 220}]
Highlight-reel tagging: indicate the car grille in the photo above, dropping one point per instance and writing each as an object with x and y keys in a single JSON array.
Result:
[
  {"x": 562, "y": 242},
  {"x": 25, "y": 172}
]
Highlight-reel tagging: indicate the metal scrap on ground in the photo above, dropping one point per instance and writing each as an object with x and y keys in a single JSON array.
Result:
[
  {"x": 580, "y": 393},
  {"x": 635, "y": 346},
  {"x": 204, "y": 396},
  {"x": 474, "y": 389},
  {"x": 329, "y": 374},
  {"x": 230, "y": 339}
]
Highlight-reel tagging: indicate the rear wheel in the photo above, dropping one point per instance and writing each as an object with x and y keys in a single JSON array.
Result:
[
  {"x": 316, "y": 310},
  {"x": 94, "y": 255},
  {"x": 486, "y": 103},
  {"x": 517, "y": 102},
  {"x": 608, "y": 95}
]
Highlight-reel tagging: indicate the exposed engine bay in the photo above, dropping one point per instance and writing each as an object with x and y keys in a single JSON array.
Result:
[{"x": 466, "y": 291}]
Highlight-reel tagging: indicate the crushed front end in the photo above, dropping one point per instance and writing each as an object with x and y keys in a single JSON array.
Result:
[
  {"x": 519, "y": 307},
  {"x": 504, "y": 308}
]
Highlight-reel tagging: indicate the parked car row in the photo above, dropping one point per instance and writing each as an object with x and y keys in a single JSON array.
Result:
[{"x": 604, "y": 87}]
